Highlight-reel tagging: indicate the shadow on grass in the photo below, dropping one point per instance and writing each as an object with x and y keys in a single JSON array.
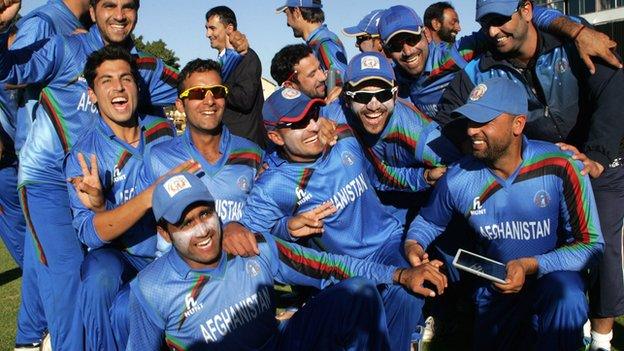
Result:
[{"x": 10, "y": 275}]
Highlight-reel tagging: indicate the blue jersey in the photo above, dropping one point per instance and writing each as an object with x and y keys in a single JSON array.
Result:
[
  {"x": 544, "y": 209},
  {"x": 229, "y": 307},
  {"x": 361, "y": 225},
  {"x": 329, "y": 50},
  {"x": 229, "y": 180},
  {"x": 120, "y": 166},
  {"x": 65, "y": 110},
  {"x": 41, "y": 23}
]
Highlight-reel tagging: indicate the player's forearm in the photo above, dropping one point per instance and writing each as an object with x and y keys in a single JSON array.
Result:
[{"x": 112, "y": 224}]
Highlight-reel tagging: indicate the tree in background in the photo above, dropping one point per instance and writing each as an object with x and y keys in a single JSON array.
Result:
[{"x": 159, "y": 49}]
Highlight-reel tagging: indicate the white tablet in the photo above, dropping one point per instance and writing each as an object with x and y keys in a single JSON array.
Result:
[{"x": 481, "y": 266}]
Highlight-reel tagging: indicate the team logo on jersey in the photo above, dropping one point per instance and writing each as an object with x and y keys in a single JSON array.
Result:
[
  {"x": 118, "y": 176},
  {"x": 478, "y": 92},
  {"x": 541, "y": 199},
  {"x": 176, "y": 184},
  {"x": 370, "y": 62},
  {"x": 253, "y": 268},
  {"x": 243, "y": 183},
  {"x": 477, "y": 208},
  {"x": 290, "y": 94},
  {"x": 347, "y": 158},
  {"x": 562, "y": 65},
  {"x": 192, "y": 306},
  {"x": 302, "y": 196}
]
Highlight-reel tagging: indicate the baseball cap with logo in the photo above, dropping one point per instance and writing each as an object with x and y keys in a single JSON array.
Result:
[
  {"x": 175, "y": 193},
  {"x": 287, "y": 105},
  {"x": 300, "y": 3},
  {"x": 367, "y": 66},
  {"x": 368, "y": 25},
  {"x": 493, "y": 97},
  {"x": 399, "y": 19},
  {"x": 498, "y": 7}
]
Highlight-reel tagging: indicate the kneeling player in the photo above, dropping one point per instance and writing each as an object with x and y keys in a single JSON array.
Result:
[{"x": 198, "y": 297}]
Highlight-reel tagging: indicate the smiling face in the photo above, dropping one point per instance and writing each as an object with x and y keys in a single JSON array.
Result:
[
  {"x": 197, "y": 237},
  {"x": 410, "y": 53},
  {"x": 115, "y": 19},
  {"x": 115, "y": 92},
  {"x": 374, "y": 114},
  {"x": 203, "y": 116}
]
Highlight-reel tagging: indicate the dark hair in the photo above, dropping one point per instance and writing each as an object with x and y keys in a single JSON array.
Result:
[
  {"x": 226, "y": 15},
  {"x": 108, "y": 53},
  {"x": 436, "y": 11},
  {"x": 197, "y": 65},
  {"x": 92, "y": 3},
  {"x": 311, "y": 14},
  {"x": 283, "y": 63}
]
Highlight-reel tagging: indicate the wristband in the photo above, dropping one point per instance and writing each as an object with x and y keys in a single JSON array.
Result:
[{"x": 578, "y": 32}]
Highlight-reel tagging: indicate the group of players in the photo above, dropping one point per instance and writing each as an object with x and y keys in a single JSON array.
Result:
[{"x": 131, "y": 237}]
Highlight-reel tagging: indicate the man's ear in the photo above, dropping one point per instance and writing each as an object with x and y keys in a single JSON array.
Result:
[
  {"x": 163, "y": 233},
  {"x": 92, "y": 96},
  {"x": 179, "y": 104},
  {"x": 518, "y": 125},
  {"x": 275, "y": 137}
]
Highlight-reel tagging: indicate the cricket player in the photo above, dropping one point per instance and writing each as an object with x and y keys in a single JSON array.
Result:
[
  {"x": 197, "y": 297},
  {"x": 229, "y": 163},
  {"x": 532, "y": 210},
  {"x": 121, "y": 239},
  {"x": 65, "y": 113}
]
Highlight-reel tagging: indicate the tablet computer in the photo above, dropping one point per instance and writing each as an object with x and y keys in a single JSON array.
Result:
[{"x": 480, "y": 265}]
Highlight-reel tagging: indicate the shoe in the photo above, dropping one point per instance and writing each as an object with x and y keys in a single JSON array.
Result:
[{"x": 35, "y": 346}]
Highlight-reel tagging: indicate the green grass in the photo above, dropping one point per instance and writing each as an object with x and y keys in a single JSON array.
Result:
[{"x": 10, "y": 281}]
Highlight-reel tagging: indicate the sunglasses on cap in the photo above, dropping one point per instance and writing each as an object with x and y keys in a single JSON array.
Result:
[
  {"x": 312, "y": 114},
  {"x": 396, "y": 43},
  {"x": 364, "y": 37},
  {"x": 364, "y": 97},
  {"x": 200, "y": 92}
]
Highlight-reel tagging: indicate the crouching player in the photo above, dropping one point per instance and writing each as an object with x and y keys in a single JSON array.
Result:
[
  {"x": 121, "y": 239},
  {"x": 531, "y": 209},
  {"x": 198, "y": 297}
]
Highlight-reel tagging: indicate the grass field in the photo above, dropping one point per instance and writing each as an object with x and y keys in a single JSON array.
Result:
[{"x": 9, "y": 300}]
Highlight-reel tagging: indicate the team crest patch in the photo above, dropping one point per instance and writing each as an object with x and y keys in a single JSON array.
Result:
[
  {"x": 370, "y": 62},
  {"x": 347, "y": 158},
  {"x": 243, "y": 183},
  {"x": 562, "y": 65},
  {"x": 290, "y": 94},
  {"x": 478, "y": 92},
  {"x": 176, "y": 184},
  {"x": 541, "y": 199},
  {"x": 253, "y": 268}
]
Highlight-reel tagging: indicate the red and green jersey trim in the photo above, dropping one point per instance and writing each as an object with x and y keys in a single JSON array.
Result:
[
  {"x": 38, "y": 247},
  {"x": 52, "y": 109},
  {"x": 312, "y": 264}
]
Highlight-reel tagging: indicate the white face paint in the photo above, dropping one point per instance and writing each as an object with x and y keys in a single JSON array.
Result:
[{"x": 200, "y": 243}]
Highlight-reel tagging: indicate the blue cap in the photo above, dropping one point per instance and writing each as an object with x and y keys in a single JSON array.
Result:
[
  {"x": 300, "y": 3},
  {"x": 175, "y": 193},
  {"x": 369, "y": 65},
  {"x": 499, "y": 7},
  {"x": 286, "y": 105},
  {"x": 399, "y": 19},
  {"x": 368, "y": 25},
  {"x": 493, "y": 97}
]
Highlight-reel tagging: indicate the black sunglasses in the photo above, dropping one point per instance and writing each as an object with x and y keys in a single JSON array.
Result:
[
  {"x": 396, "y": 43},
  {"x": 364, "y": 97},
  {"x": 312, "y": 114}
]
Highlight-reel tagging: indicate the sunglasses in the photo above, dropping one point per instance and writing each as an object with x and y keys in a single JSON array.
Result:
[
  {"x": 396, "y": 44},
  {"x": 364, "y": 37},
  {"x": 200, "y": 92},
  {"x": 364, "y": 97},
  {"x": 313, "y": 114}
]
